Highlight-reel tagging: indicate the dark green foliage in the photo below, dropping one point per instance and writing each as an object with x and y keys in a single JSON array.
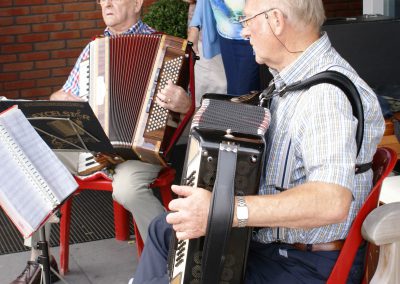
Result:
[{"x": 169, "y": 17}]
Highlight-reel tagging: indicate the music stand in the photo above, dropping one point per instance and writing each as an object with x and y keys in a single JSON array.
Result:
[
  {"x": 44, "y": 259},
  {"x": 63, "y": 126}
]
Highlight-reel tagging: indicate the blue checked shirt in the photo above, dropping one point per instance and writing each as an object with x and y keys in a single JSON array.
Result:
[
  {"x": 72, "y": 83},
  {"x": 318, "y": 124}
]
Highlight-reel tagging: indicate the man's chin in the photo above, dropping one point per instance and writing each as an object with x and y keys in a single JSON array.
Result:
[
  {"x": 259, "y": 60},
  {"x": 109, "y": 20}
]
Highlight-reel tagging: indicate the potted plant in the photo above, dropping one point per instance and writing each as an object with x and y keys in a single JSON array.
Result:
[{"x": 168, "y": 16}]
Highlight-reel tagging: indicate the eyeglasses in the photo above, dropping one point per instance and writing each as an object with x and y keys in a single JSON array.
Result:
[
  {"x": 104, "y": 1},
  {"x": 245, "y": 21}
]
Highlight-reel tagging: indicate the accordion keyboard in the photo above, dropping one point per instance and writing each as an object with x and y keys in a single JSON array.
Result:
[
  {"x": 87, "y": 164},
  {"x": 84, "y": 80},
  {"x": 159, "y": 115}
]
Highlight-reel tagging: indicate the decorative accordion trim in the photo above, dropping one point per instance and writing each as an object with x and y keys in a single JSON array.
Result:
[{"x": 222, "y": 115}]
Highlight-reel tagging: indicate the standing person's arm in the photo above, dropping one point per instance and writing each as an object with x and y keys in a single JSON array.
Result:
[{"x": 195, "y": 25}]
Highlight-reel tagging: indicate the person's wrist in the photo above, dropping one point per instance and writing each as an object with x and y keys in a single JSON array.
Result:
[{"x": 198, "y": 28}]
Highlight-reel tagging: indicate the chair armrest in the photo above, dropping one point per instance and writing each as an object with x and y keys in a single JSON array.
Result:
[{"x": 381, "y": 225}]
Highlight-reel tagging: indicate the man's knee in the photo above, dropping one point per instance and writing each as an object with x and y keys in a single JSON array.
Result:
[
  {"x": 131, "y": 179},
  {"x": 160, "y": 231}
]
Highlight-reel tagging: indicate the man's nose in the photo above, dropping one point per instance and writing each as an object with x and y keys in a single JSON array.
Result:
[
  {"x": 245, "y": 33},
  {"x": 108, "y": 2}
]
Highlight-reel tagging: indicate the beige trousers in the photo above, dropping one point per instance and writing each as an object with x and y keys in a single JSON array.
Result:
[{"x": 209, "y": 76}]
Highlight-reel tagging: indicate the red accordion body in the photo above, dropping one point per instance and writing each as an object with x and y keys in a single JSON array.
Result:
[{"x": 125, "y": 73}]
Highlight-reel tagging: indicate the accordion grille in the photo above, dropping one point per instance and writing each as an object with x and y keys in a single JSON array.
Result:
[
  {"x": 130, "y": 70},
  {"x": 241, "y": 118}
]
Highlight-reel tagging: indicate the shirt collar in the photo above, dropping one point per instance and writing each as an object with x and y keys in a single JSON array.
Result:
[
  {"x": 135, "y": 29},
  {"x": 297, "y": 70}
]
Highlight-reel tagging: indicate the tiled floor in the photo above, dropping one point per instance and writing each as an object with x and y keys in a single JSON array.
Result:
[{"x": 100, "y": 262}]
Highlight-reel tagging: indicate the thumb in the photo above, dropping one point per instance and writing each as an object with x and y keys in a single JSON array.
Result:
[
  {"x": 182, "y": 191},
  {"x": 170, "y": 83}
]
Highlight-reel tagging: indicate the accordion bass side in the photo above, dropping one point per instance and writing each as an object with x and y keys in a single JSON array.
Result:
[
  {"x": 218, "y": 123},
  {"x": 124, "y": 74}
]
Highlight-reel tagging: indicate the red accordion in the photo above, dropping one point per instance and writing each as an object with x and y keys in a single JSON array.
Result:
[{"x": 122, "y": 77}]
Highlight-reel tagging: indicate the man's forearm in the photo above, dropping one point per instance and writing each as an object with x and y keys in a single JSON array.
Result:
[
  {"x": 307, "y": 206},
  {"x": 60, "y": 95}
]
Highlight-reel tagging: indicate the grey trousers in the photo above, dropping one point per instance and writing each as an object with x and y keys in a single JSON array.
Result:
[{"x": 130, "y": 188}]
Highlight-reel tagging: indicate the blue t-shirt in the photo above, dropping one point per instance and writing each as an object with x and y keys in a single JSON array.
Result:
[{"x": 227, "y": 15}]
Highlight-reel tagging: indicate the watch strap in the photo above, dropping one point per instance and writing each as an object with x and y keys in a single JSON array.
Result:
[{"x": 241, "y": 202}]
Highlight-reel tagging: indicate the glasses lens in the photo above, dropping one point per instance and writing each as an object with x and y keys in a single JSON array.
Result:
[{"x": 243, "y": 21}]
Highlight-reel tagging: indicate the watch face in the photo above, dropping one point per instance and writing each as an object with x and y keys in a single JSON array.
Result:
[{"x": 242, "y": 213}]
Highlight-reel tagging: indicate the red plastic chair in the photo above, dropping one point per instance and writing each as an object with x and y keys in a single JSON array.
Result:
[
  {"x": 384, "y": 161},
  {"x": 121, "y": 215}
]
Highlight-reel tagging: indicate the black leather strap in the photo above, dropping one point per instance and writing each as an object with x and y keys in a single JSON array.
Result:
[
  {"x": 221, "y": 215},
  {"x": 346, "y": 85}
]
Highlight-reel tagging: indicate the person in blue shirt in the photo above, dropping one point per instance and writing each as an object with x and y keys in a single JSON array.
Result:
[{"x": 217, "y": 21}]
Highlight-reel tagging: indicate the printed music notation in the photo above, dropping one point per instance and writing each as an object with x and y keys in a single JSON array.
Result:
[{"x": 34, "y": 180}]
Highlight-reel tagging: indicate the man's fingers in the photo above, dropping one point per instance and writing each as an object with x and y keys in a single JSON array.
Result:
[
  {"x": 173, "y": 218},
  {"x": 182, "y": 235},
  {"x": 182, "y": 190}
]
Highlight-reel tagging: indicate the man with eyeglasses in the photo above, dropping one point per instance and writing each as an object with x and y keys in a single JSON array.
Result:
[
  {"x": 310, "y": 193},
  {"x": 131, "y": 178}
]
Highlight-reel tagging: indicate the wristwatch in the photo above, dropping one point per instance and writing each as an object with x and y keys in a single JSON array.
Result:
[{"x": 242, "y": 212}]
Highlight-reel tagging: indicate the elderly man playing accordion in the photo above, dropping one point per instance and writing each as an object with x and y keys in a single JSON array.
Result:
[{"x": 300, "y": 225}]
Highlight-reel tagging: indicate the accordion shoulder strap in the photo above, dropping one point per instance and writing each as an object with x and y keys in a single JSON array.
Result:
[
  {"x": 345, "y": 85},
  {"x": 221, "y": 215}
]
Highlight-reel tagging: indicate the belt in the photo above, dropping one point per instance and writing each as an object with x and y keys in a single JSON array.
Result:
[{"x": 331, "y": 246}]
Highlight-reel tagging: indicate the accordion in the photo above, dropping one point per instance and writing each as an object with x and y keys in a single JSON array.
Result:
[
  {"x": 120, "y": 80},
  {"x": 220, "y": 125}
]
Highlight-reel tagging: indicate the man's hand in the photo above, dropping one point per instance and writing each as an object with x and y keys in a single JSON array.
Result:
[
  {"x": 174, "y": 98},
  {"x": 190, "y": 215},
  {"x": 60, "y": 95}
]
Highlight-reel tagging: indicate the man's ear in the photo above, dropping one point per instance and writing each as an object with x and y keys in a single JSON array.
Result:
[
  {"x": 277, "y": 21},
  {"x": 138, "y": 6}
]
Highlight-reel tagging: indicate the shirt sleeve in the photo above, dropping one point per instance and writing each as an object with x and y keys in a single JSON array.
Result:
[
  {"x": 72, "y": 83},
  {"x": 197, "y": 17},
  {"x": 327, "y": 140}
]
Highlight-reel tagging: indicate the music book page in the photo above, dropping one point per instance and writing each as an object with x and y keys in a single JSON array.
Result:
[{"x": 34, "y": 181}]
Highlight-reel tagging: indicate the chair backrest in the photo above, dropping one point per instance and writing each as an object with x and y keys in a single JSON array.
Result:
[{"x": 383, "y": 163}]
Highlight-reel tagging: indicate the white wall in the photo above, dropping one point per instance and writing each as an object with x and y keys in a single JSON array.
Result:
[
  {"x": 382, "y": 7},
  {"x": 373, "y": 7}
]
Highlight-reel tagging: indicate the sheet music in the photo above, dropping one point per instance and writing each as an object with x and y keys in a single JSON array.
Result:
[
  {"x": 17, "y": 197},
  {"x": 34, "y": 181}
]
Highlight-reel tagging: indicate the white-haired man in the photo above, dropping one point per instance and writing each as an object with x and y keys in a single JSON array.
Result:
[
  {"x": 323, "y": 193},
  {"x": 132, "y": 178}
]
